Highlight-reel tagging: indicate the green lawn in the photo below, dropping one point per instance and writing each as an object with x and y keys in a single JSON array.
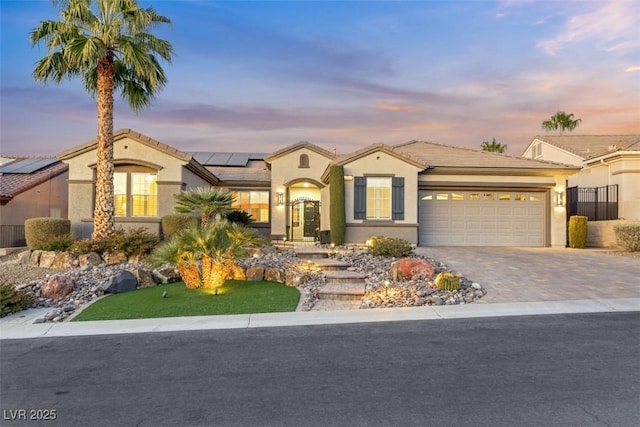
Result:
[{"x": 235, "y": 297}]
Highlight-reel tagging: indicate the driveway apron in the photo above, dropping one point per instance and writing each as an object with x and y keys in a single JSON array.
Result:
[{"x": 542, "y": 274}]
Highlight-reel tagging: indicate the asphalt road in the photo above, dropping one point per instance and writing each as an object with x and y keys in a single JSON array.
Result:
[{"x": 563, "y": 370}]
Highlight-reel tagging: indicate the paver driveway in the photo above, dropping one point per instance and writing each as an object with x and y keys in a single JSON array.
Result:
[{"x": 543, "y": 274}]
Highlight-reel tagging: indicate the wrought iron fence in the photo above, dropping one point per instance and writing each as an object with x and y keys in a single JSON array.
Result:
[{"x": 596, "y": 203}]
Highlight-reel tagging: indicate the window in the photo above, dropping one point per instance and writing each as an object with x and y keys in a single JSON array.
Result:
[
  {"x": 474, "y": 196},
  {"x": 442, "y": 196},
  {"x": 255, "y": 203},
  {"x": 135, "y": 194},
  {"x": 457, "y": 197},
  {"x": 505, "y": 196},
  {"x": 378, "y": 198},
  {"x": 304, "y": 161}
]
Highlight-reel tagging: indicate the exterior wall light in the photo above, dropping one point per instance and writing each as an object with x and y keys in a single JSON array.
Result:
[
  {"x": 559, "y": 198},
  {"x": 280, "y": 198}
]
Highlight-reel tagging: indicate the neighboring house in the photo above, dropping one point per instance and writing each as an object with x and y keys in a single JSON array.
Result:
[
  {"x": 429, "y": 194},
  {"x": 30, "y": 187},
  {"x": 607, "y": 163}
]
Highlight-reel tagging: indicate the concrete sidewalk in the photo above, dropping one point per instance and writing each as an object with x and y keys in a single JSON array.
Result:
[{"x": 20, "y": 325}]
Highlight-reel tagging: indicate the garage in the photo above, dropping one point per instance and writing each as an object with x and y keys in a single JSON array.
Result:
[{"x": 482, "y": 218}]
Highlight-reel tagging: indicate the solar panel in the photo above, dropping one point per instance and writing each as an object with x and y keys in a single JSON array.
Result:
[
  {"x": 219, "y": 159},
  {"x": 202, "y": 157},
  {"x": 26, "y": 166},
  {"x": 257, "y": 156},
  {"x": 238, "y": 159}
]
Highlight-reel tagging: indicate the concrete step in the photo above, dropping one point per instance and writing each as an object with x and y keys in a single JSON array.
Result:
[
  {"x": 327, "y": 264},
  {"x": 311, "y": 253},
  {"x": 341, "y": 291},
  {"x": 343, "y": 277}
]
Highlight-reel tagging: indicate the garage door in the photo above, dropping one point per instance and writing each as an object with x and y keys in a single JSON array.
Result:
[{"x": 481, "y": 218}]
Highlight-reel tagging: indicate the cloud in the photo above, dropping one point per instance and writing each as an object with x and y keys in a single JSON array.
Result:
[
  {"x": 391, "y": 107},
  {"x": 612, "y": 26},
  {"x": 632, "y": 69}
]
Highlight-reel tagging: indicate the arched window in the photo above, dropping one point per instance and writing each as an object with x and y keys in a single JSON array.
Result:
[{"x": 304, "y": 161}]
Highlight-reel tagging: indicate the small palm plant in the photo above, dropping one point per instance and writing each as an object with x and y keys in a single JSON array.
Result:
[
  {"x": 208, "y": 202},
  {"x": 206, "y": 257}
]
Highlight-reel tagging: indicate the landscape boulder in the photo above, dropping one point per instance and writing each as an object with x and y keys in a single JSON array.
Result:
[
  {"x": 255, "y": 273},
  {"x": 166, "y": 274},
  {"x": 274, "y": 275},
  {"x": 65, "y": 260},
  {"x": 412, "y": 268},
  {"x": 116, "y": 257},
  {"x": 46, "y": 259},
  {"x": 91, "y": 259},
  {"x": 124, "y": 281},
  {"x": 57, "y": 287},
  {"x": 144, "y": 277}
]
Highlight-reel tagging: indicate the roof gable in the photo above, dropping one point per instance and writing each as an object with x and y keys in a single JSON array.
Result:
[
  {"x": 588, "y": 146},
  {"x": 295, "y": 147},
  {"x": 12, "y": 184},
  {"x": 379, "y": 147},
  {"x": 122, "y": 134}
]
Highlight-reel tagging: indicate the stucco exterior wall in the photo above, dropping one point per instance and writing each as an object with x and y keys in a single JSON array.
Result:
[
  {"x": 284, "y": 172},
  {"x": 48, "y": 199},
  {"x": 553, "y": 154},
  {"x": 601, "y": 234}
]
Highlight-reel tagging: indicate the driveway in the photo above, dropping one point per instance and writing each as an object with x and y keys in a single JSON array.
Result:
[{"x": 542, "y": 274}]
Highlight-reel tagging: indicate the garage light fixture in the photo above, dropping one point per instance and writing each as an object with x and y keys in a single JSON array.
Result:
[
  {"x": 280, "y": 199},
  {"x": 559, "y": 198}
]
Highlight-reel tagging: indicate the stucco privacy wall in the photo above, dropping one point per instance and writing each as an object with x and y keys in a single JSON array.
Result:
[
  {"x": 621, "y": 171},
  {"x": 171, "y": 178},
  {"x": 380, "y": 163},
  {"x": 285, "y": 171}
]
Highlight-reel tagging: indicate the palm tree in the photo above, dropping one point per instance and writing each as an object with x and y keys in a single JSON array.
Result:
[
  {"x": 206, "y": 201},
  {"x": 561, "y": 121},
  {"x": 206, "y": 257},
  {"x": 108, "y": 44},
  {"x": 493, "y": 146}
]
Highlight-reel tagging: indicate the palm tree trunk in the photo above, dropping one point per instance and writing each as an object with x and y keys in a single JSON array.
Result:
[{"x": 103, "y": 221}]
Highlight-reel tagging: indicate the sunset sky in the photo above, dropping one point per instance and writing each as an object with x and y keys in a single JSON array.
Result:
[{"x": 256, "y": 76}]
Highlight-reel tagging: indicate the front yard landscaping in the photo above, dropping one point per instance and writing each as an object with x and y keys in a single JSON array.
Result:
[{"x": 234, "y": 297}]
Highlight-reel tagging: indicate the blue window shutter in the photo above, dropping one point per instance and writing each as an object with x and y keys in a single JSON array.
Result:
[
  {"x": 360, "y": 197},
  {"x": 397, "y": 198}
]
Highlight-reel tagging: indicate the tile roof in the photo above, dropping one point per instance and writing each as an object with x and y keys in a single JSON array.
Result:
[
  {"x": 239, "y": 173},
  {"x": 439, "y": 155},
  {"x": 588, "y": 146},
  {"x": 406, "y": 156},
  {"x": 12, "y": 184},
  {"x": 294, "y": 147}
]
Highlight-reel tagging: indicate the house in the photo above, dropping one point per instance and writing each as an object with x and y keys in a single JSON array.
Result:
[
  {"x": 429, "y": 194},
  {"x": 30, "y": 187},
  {"x": 608, "y": 177}
]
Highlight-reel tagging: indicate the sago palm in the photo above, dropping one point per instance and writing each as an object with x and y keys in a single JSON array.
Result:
[
  {"x": 206, "y": 202},
  {"x": 109, "y": 45}
]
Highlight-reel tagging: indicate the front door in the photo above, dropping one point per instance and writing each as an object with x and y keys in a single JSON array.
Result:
[
  {"x": 305, "y": 220},
  {"x": 311, "y": 217}
]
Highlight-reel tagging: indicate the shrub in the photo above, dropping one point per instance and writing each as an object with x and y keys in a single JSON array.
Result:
[
  {"x": 40, "y": 231},
  {"x": 447, "y": 281},
  {"x": 58, "y": 244},
  {"x": 239, "y": 217},
  {"x": 13, "y": 300},
  {"x": 172, "y": 224},
  {"x": 578, "y": 226},
  {"x": 389, "y": 247},
  {"x": 137, "y": 241},
  {"x": 628, "y": 236}
]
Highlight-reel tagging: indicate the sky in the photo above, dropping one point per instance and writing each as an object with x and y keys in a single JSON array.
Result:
[{"x": 257, "y": 76}]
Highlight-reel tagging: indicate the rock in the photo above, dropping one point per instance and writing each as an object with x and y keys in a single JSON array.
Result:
[
  {"x": 144, "y": 277},
  {"x": 89, "y": 260},
  {"x": 124, "y": 281},
  {"x": 23, "y": 257},
  {"x": 68, "y": 308},
  {"x": 412, "y": 268},
  {"x": 274, "y": 275},
  {"x": 475, "y": 285},
  {"x": 255, "y": 273},
  {"x": 116, "y": 257},
  {"x": 46, "y": 259},
  {"x": 437, "y": 300},
  {"x": 166, "y": 274},
  {"x": 65, "y": 260},
  {"x": 57, "y": 287},
  {"x": 34, "y": 259}
]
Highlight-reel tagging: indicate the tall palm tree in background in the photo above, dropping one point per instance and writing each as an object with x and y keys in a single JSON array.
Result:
[
  {"x": 108, "y": 43},
  {"x": 493, "y": 146},
  {"x": 561, "y": 121}
]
